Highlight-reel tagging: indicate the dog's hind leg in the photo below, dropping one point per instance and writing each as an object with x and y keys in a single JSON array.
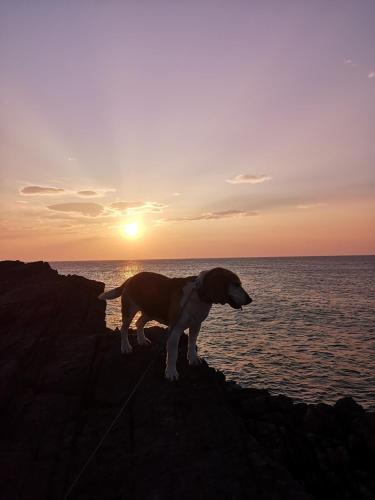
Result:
[
  {"x": 128, "y": 310},
  {"x": 140, "y": 323}
]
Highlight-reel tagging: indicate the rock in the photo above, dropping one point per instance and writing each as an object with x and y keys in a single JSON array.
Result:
[
  {"x": 64, "y": 384},
  {"x": 348, "y": 410},
  {"x": 325, "y": 448}
]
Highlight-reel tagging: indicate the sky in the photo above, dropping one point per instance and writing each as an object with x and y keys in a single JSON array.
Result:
[{"x": 159, "y": 129}]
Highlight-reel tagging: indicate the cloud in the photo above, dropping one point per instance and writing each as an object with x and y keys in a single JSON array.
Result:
[
  {"x": 94, "y": 192},
  {"x": 124, "y": 205},
  {"x": 224, "y": 214},
  {"x": 176, "y": 194},
  {"x": 310, "y": 205},
  {"x": 90, "y": 209},
  {"x": 349, "y": 62},
  {"x": 248, "y": 179},
  {"x": 138, "y": 206},
  {"x": 88, "y": 193},
  {"x": 34, "y": 190}
]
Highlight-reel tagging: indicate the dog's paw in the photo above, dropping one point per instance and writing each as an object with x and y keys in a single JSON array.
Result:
[
  {"x": 126, "y": 349},
  {"x": 171, "y": 374},
  {"x": 196, "y": 361}
]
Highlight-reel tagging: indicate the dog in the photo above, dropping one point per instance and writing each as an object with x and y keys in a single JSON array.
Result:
[{"x": 179, "y": 303}]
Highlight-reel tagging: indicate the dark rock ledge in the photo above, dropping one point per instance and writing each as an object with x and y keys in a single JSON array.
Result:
[{"x": 62, "y": 381}]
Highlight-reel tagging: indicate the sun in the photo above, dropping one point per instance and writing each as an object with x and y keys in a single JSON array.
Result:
[{"x": 131, "y": 229}]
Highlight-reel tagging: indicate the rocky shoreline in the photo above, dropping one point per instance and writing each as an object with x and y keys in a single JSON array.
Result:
[{"x": 63, "y": 381}]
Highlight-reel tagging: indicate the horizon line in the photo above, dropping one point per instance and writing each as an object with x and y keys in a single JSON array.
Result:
[{"x": 210, "y": 258}]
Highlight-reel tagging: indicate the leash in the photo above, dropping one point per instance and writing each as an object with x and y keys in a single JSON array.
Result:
[
  {"x": 133, "y": 391},
  {"x": 121, "y": 411}
]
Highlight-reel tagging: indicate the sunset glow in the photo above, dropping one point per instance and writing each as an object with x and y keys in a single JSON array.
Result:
[
  {"x": 131, "y": 230},
  {"x": 242, "y": 131}
]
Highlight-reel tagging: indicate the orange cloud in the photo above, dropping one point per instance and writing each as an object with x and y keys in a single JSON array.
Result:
[
  {"x": 35, "y": 190},
  {"x": 87, "y": 193},
  {"x": 248, "y": 179},
  {"x": 124, "y": 205},
  {"x": 90, "y": 209},
  {"x": 311, "y": 205},
  {"x": 216, "y": 215},
  {"x": 139, "y": 206}
]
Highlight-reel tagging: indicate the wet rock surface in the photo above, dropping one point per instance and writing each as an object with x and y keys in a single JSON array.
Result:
[{"x": 63, "y": 381}]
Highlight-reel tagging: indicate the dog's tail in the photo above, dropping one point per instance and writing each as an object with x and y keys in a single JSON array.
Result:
[{"x": 112, "y": 294}]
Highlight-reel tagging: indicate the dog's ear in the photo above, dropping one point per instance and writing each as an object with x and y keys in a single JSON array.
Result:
[{"x": 215, "y": 285}]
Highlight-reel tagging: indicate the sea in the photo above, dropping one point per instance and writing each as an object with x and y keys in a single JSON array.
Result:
[{"x": 308, "y": 334}]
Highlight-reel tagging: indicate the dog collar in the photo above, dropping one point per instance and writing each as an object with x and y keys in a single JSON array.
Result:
[{"x": 202, "y": 296}]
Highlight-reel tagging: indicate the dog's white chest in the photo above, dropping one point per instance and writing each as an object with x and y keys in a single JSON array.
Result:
[{"x": 193, "y": 311}]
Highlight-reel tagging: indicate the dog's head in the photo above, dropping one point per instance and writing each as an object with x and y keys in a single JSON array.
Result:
[{"x": 221, "y": 286}]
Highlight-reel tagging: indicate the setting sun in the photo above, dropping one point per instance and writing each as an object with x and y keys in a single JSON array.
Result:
[{"x": 131, "y": 229}]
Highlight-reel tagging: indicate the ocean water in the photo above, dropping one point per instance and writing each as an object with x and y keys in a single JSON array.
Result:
[{"x": 309, "y": 333}]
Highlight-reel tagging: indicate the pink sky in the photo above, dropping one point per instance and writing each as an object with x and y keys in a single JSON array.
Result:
[{"x": 222, "y": 129}]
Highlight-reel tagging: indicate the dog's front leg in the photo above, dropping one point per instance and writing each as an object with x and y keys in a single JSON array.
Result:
[
  {"x": 125, "y": 344},
  {"x": 172, "y": 352},
  {"x": 192, "y": 345}
]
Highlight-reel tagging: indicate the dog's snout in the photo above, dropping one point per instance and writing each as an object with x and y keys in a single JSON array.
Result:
[{"x": 248, "y": 299}]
